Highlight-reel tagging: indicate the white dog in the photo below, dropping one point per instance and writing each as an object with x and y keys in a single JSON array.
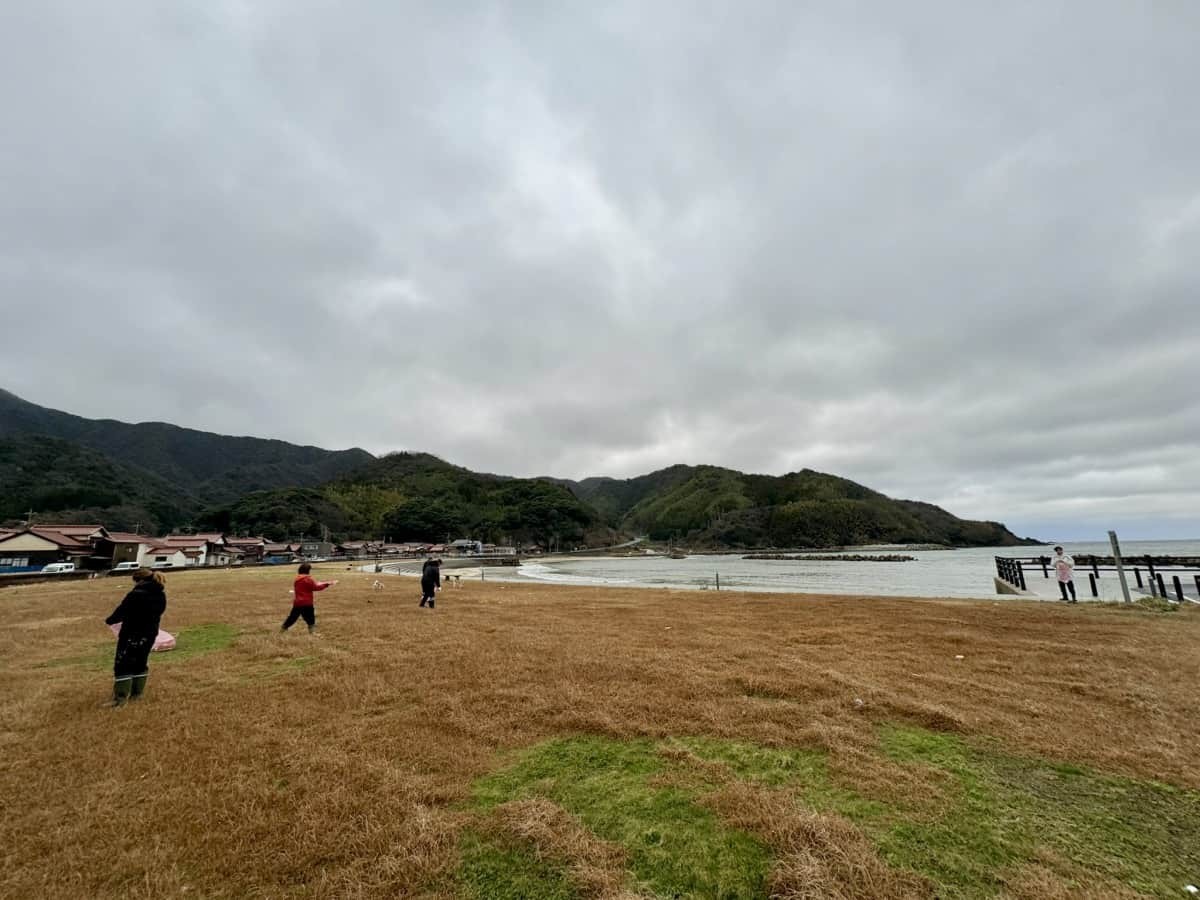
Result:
[{"x": 377, "y": 586}]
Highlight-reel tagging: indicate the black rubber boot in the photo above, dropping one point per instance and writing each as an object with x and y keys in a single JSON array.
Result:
[
  {"x": 138, "y": 685},
  {"x": 121, "y": 690}
]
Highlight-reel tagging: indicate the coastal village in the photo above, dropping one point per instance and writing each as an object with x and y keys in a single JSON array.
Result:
[{"x": 95, "y": 548}]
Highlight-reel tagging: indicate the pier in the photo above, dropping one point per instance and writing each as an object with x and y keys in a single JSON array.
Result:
[{"x": 1175, "y": 578}]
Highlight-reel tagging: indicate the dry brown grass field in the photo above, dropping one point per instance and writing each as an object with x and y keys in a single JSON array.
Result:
[{"x": 518, "y": 740}]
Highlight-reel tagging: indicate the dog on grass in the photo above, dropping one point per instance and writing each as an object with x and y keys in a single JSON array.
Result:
[{"x": 377, "y": 586}]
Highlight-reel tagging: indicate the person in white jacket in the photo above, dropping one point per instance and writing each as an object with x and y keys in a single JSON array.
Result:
[{"x": 1064, "y": 569}]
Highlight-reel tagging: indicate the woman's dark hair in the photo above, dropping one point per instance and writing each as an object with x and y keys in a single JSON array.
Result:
[
  {"x": 305, "y": 568},
  {"x": 144, "y": 574}
]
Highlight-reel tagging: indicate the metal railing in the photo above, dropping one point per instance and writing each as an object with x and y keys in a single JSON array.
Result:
[{"x": 1161, "y": 575}]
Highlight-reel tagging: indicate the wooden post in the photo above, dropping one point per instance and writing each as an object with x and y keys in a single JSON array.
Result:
[
  {"x": 718, "y": 581},
  {"x": 1153, "y": 584},
  {"x": 1137, "y": 573},
  {"x": 1021, "y": 575},
  {"x": 1116, "y": 549},
  {"x": 1095, "y": 566},
  {"x": 1178, "y": 588},
  {"x": 1197, "y": 587},
  {"x": 1092, "y": 582},
  {"x": 1045, "y": 561},
  {"x": 1162, "y": 588}
]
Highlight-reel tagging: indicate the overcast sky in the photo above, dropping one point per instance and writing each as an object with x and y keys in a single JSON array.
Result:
[{"x": 950, "y": 250}]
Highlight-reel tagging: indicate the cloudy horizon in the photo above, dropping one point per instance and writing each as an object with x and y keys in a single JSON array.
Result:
[{"x": 950, "y": 251}]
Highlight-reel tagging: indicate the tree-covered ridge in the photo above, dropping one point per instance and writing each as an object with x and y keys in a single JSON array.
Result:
[
  {"x": 69, "y": 483},
  {"x": 418, "y": 497},
  {"x": 214, "y": 468},
  {"x": 709, "y": 506}
]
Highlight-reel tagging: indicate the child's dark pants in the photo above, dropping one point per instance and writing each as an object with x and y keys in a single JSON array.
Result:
[{"x": 305, "y": 612}]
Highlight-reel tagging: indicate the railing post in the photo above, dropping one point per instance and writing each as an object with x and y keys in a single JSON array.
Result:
[
  {"x": 1162, "y": 588},
  {"x": 1197, "y": 587},
  {"x": 1021, "y": 575},
  {"x": 1045, "y": 561},
  {"x": 1178, "y": 588},
  {"x": 1092, "y": 582},
  {"x": 1150, "y": 570},
  {"x": 1120, "y": 564},
  {"x": 1095, "y": 567},
  {"x": 1137, "y": 573}
]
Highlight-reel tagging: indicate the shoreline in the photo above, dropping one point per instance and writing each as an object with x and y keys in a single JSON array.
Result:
[{"x": 472, "y": 576}]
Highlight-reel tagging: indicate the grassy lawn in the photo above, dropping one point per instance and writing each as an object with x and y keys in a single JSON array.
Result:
[{"x": 542, "y": 741}]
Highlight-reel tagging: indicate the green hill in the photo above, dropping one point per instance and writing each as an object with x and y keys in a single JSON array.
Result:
[
  {"x": 418, "y": 497},
  {"x": 214, "y": 468},
  {"x": 708, "y": 506},
  {"x": 70, "y": 483}
]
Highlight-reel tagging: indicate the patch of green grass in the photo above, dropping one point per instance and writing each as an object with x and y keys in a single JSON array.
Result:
[
  {"x": 805, "y": 772},
  {"x": 491, "y": 870},
  {"x": 676, "y": 847},
  {"x": 765, "y": 765},
  {"x": 194, "y": 640},
  {"x": 994, "y": 811},
  {"x": 1141, "y": 833},
  {"x": 198, "y": 640}
]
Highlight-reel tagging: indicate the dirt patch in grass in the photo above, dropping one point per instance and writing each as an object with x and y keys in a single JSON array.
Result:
[{"x": 350, "y": 774}]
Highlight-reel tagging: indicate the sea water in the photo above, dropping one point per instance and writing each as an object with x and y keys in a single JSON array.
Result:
[{"x": 933, "y": 573}]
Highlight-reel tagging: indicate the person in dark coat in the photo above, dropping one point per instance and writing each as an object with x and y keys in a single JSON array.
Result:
[
  {"x": 138, "y": 614},
  {"x": 431, "y": 580}
]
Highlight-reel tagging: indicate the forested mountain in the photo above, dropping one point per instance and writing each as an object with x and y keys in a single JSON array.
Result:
[
  {"x": 68, "y": 468},
  {"x": 214, "y": 468},
  {"x": 71, "y": 483},
  {"x": 708, "y": 506},
  {"x": 415, "y": 496}
]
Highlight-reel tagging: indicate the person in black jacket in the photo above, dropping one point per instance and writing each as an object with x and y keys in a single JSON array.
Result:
[
  {"x": 139, "y": 614},
  {"x": 431, "y": 580}
]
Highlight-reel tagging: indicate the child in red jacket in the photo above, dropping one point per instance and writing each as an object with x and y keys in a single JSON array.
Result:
[{"x": 302, "y": 598}]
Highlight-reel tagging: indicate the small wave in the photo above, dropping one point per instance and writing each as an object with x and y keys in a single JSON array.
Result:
[{"x": 540, "y": 572}]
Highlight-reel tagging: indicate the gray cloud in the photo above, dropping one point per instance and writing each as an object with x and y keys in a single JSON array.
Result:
[{"x": 947, "y": 249}]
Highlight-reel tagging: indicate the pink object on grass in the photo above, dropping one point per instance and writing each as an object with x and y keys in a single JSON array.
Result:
[{"x": 164, "y": 641}]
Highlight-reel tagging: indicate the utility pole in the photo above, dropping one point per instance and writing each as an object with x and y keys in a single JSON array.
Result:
[{"x": 1116, "y": 549}]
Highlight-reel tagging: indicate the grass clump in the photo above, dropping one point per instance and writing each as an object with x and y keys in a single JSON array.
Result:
[
  {"x": 668, "y": 805},
  {"x": 494, "y": 869},
  {"x": 1004, "y": 808},
  {"x": 675, "y": 847}
]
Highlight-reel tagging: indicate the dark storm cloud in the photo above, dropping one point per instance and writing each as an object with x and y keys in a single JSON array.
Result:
[{"x": 947, "y": 249}]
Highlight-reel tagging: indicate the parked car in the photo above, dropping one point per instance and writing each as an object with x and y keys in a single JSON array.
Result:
[
  {"x": 58, "y": 568},
  {"x": 124, "y": 567}
]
